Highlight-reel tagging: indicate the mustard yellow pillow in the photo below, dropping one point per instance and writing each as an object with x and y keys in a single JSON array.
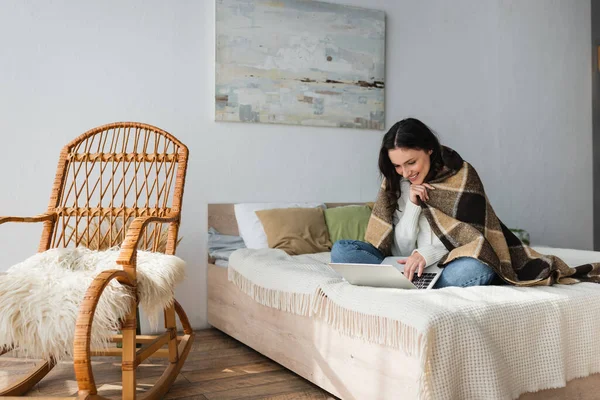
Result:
[{"x": 296, "y": 230}]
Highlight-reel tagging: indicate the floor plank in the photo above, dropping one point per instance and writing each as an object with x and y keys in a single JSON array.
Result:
[
  {"x": 218, "y": 367},
  {"x": 288, "y": 386}
]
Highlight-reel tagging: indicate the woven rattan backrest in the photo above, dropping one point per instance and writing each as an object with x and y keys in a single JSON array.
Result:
[{"x": 110, "y": 175}]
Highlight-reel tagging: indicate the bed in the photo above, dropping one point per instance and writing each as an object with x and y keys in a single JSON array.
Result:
[{"x": 346, "y": 366}]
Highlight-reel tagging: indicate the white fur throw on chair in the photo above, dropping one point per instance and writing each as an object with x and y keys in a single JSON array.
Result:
[{"x": 40, "y": 298}]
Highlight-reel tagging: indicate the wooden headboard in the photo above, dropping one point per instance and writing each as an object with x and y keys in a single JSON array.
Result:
[{"x": 222, "y": 217}]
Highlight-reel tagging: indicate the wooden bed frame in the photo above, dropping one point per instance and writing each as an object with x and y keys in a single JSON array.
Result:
[{"x": 349, "y": 368}]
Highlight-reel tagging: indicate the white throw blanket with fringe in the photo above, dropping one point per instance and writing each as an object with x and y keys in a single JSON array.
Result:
[
  {"x": 40, "y": 298},
  {"x": 490, "y": 342},
  {"x": 272, "y": 277}
]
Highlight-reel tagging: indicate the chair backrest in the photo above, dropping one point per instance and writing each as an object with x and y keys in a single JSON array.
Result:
[{"x": 110, "y": 175}]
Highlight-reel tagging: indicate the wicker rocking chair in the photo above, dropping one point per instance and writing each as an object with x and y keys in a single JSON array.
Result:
[{"x": 128, "y": 178}]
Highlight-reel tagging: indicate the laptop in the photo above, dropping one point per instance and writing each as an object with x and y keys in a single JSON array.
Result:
[{"x": 388, "y": 274}]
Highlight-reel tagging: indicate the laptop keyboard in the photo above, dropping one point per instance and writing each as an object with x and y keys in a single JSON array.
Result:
[{"x": 423, "y": 281}]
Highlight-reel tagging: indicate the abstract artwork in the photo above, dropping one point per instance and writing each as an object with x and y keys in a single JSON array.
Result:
[{"x": 299, "y": 62}]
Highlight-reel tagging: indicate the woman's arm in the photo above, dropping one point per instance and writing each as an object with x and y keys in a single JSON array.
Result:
[
  {"x": 432, "y": 253},
  {"x": 407, "y": 228}
]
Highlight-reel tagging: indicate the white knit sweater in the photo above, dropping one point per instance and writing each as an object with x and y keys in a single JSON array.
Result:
[{"x": 412, "y": 231}]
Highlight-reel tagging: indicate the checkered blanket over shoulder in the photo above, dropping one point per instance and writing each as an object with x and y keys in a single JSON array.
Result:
[{"x": 462, "y": 217}]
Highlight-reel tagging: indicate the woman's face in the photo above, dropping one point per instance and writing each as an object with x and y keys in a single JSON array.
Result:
[{"x": 411, "y": 164}]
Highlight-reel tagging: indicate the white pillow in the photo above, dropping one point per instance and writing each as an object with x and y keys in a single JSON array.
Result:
[{"x": 250, "y": 227}]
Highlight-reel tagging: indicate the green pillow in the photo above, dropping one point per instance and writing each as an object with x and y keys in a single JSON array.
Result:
[{"x": 347, "y": 222}]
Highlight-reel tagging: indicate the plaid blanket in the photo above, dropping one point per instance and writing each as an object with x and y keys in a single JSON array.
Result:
[{"x": 462, "y": 217}]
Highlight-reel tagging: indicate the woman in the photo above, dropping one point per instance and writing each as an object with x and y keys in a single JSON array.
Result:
[{"x": 410, "y": 156}]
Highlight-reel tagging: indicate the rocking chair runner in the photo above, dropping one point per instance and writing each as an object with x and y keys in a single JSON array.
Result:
[{"x": 117, "y": 176}]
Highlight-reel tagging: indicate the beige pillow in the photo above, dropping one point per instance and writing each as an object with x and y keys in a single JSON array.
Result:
[{"x": 296, "y": 230}]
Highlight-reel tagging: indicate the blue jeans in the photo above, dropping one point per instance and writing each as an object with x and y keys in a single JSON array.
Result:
[
  {"x": 355, "y": 252},
  {"x": 463, "y": 272}
]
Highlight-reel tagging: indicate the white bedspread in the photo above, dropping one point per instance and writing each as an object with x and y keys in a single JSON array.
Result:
[
  {"x": 491, "y": 342},
  {"x": 275, "y": 279}
]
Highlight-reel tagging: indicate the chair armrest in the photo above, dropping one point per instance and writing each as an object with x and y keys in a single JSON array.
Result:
[
  {"x": 37, "y": 218},
  {"x": 134, "y": 234}
]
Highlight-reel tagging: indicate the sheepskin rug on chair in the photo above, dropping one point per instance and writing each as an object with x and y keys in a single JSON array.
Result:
[{"x": 40, "y": 298}]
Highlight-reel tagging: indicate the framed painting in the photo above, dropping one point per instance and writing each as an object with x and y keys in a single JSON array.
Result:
[{"x": 300, "y": 63}]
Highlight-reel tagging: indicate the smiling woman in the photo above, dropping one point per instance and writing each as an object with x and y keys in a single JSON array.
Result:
[
  {"x": 411, "y": 163},
  {"x": 410, "y": 156},
  {"x": 432, "y": 209}
]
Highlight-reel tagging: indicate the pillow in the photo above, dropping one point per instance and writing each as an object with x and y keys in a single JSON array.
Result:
[
  {"x": 221, "y": 246},
  {"x": 347, "y": 222},
  {"x": 296, "y": 230},
  {"x": 251, "y": 230}
]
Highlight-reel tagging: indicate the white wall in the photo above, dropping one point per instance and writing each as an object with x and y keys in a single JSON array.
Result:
[{"x": 506, "y": 83}]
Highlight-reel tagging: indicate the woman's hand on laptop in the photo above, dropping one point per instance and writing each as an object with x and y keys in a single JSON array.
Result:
[{"x": 416, "y": 262}]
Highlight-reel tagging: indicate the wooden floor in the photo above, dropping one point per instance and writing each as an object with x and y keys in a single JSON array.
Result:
[{"x": 218, "y": 367}]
